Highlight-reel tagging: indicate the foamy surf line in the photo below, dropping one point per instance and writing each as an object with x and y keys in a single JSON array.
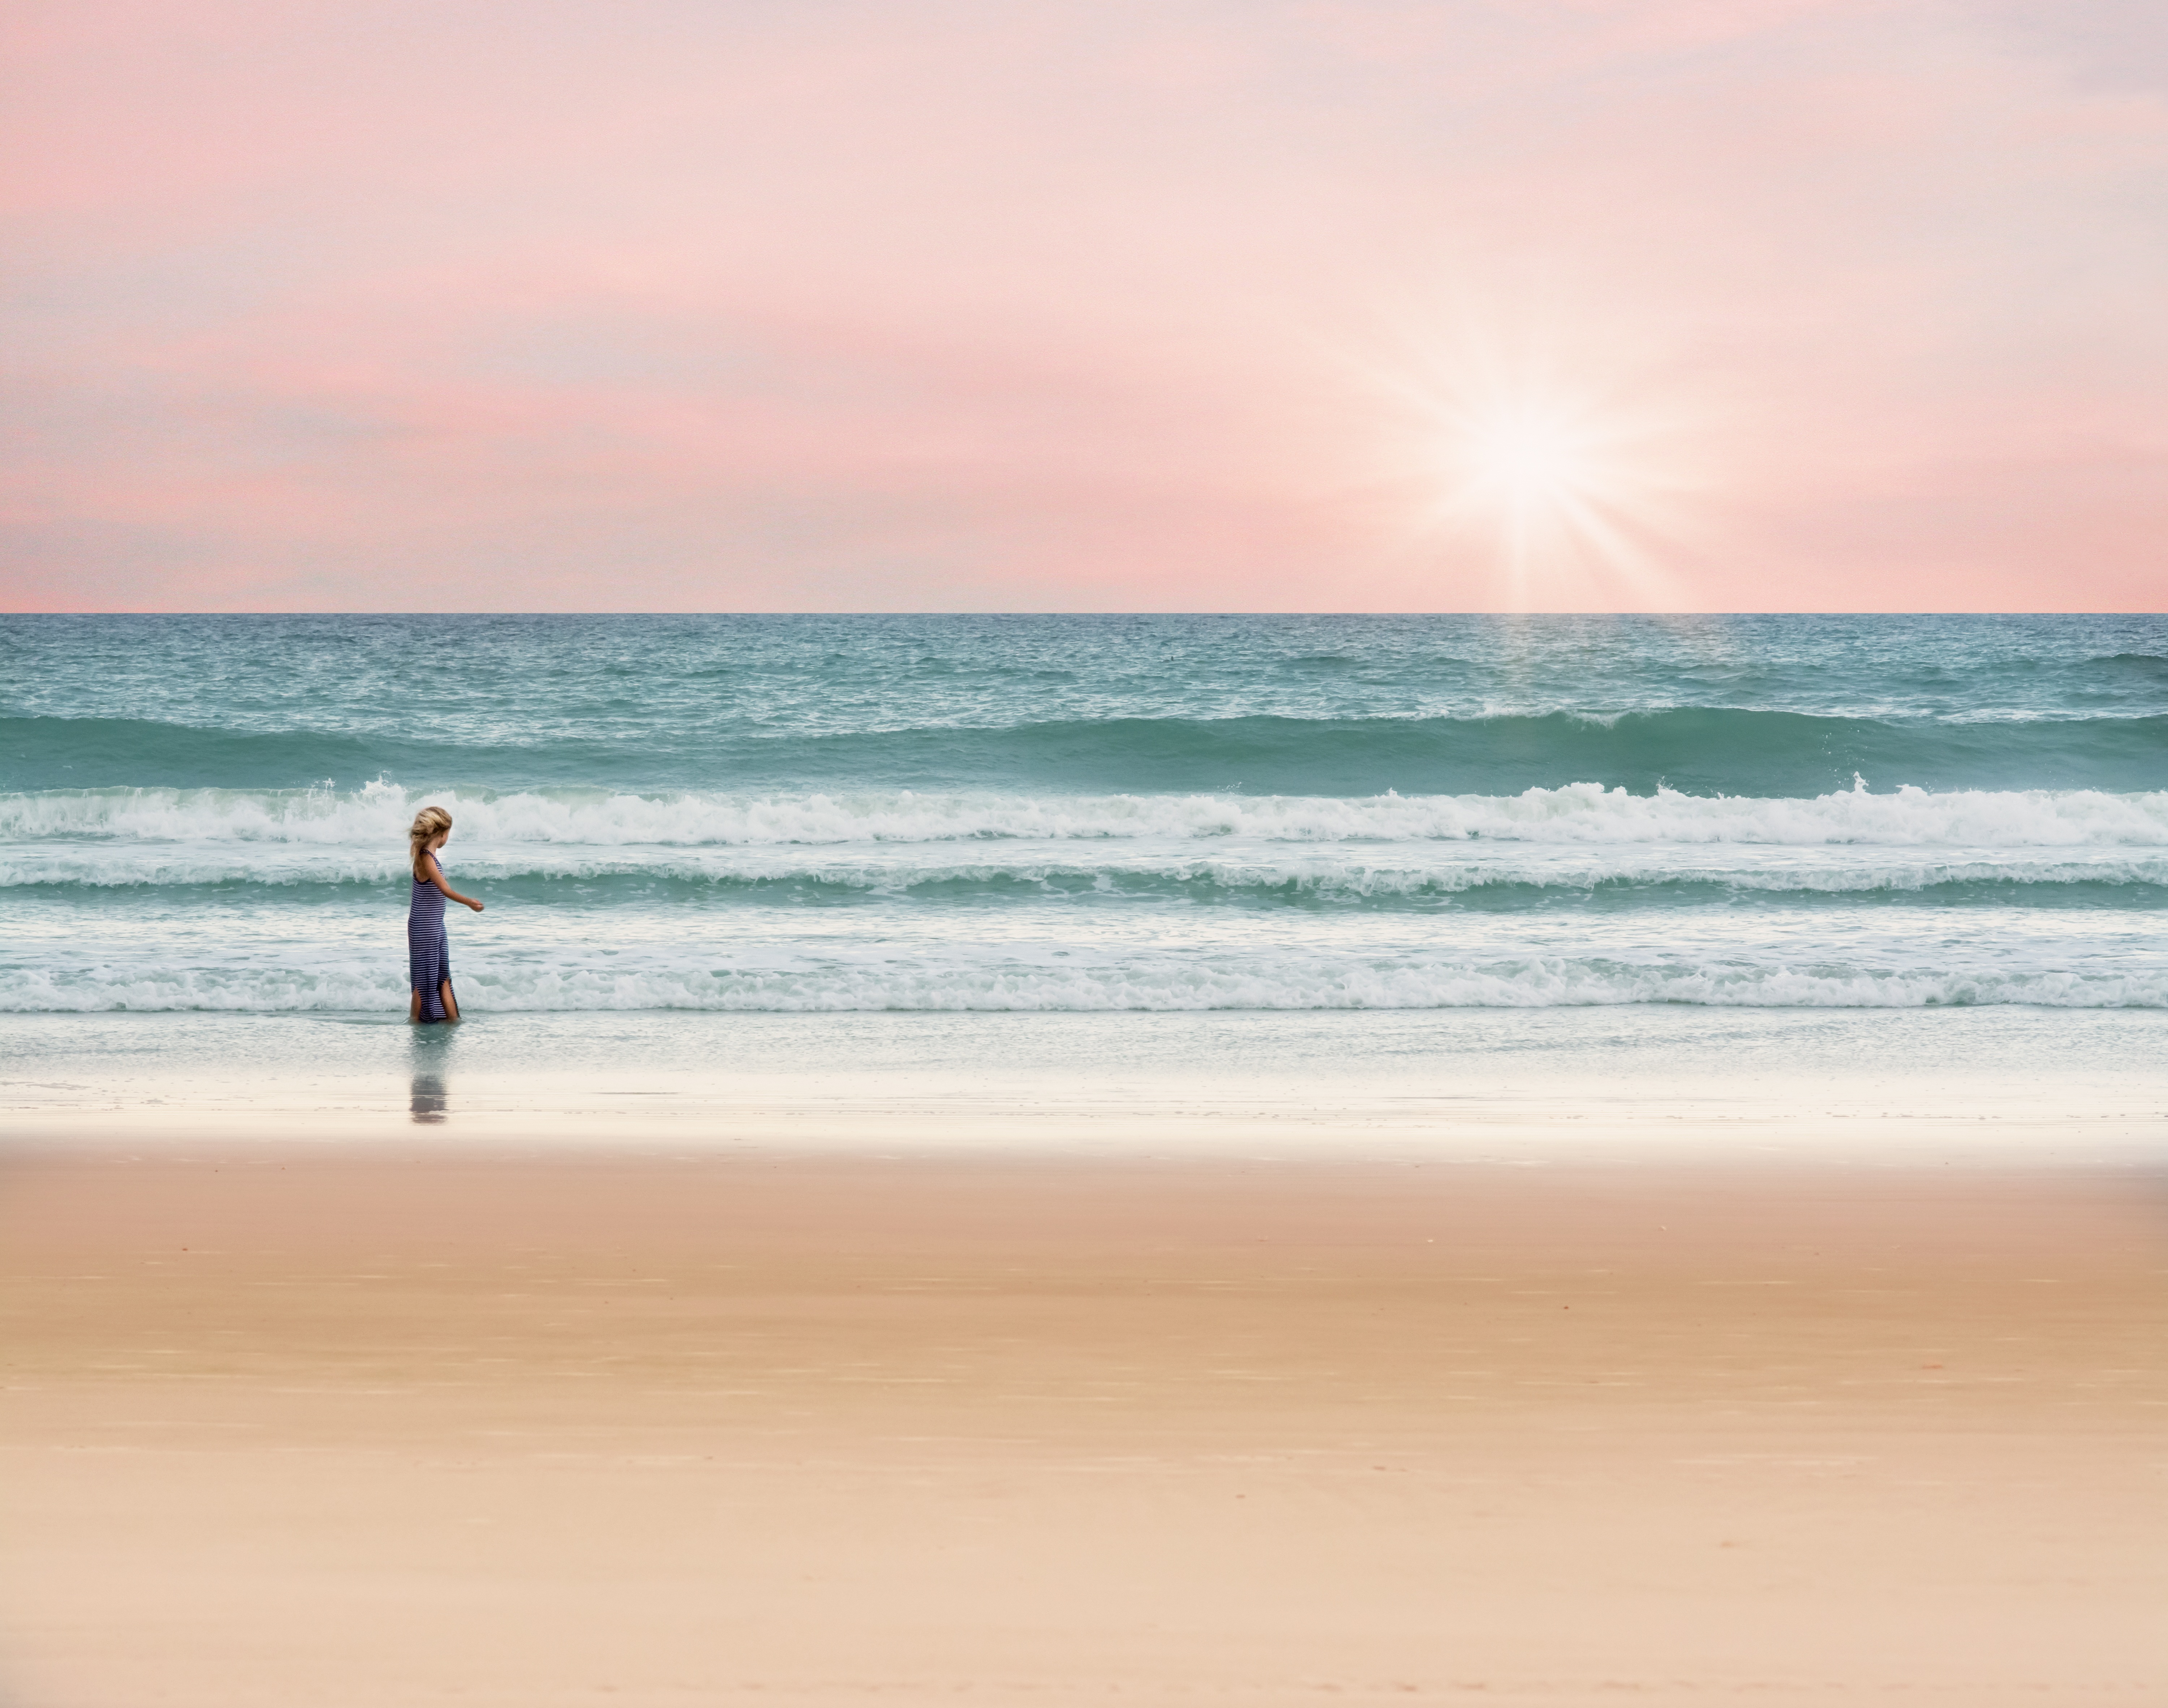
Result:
[
  {"x": 1581, "y": 812},
  {"x": 1353, "y": 872}
]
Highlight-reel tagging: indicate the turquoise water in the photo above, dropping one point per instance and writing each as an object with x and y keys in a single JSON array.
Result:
[{"x": 1050, "y": 814}]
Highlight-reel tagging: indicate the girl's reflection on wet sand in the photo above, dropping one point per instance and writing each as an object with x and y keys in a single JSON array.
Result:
[{"x": 429, "y": 1102}]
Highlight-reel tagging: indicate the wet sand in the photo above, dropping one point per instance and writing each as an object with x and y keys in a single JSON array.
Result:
[{"x": 519, "y": 1427}]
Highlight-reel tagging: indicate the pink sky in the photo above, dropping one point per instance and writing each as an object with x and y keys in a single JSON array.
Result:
[{"x": 807, "y": 305}]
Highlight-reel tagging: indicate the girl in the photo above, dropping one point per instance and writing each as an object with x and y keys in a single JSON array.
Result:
[{"x": 428, "y": 957}]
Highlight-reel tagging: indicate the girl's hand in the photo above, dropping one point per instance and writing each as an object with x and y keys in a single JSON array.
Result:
[{"x": 476, "y": 906}]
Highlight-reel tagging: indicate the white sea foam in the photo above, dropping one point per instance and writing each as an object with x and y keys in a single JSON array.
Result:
[
  {"x": 375, "y": 818},
  {"x": 1347, "y": 870},
  {"x": 160, "y": 954}
]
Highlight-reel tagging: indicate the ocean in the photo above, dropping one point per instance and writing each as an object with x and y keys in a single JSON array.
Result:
[{"x": 1088, "y": 813}]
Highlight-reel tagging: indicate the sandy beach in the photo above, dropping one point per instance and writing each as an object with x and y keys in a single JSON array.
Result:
[
  {"x": 377, "y": 1423},
  {"x": 1030, "y": 853}
]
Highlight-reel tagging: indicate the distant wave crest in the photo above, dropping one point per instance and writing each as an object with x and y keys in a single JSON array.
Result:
[{"x": 1705, "y": 750}]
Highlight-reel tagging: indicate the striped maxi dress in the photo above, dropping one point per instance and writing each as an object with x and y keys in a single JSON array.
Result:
[{"x": 428, "y": 954}]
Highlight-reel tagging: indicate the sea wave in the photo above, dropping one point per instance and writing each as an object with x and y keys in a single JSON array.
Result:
[
  {"x": 371, "y": 823},
  {"x": 1324, "y": 874},
  {"x": 1705, "y": 749}
]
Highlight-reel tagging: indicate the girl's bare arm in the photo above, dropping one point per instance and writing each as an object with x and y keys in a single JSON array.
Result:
[{"x": 437, "y": 877}]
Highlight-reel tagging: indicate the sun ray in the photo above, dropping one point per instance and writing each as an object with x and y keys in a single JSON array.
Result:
[{"x": 1561, "y": 475}]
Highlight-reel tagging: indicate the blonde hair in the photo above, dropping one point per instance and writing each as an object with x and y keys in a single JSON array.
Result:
[{"x": 429, "y": 823}]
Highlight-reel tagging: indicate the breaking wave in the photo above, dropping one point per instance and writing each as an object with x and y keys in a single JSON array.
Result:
[{"x": 376, "y": 816}]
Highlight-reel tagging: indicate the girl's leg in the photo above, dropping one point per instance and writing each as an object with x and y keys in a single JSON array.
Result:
[
  {"x": 451, "y": 1006},
  {"x": 414, "y": 1007}
]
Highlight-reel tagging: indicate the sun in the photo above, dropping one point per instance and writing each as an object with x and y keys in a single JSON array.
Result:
[
  {"x": 1530, "y": 459},
  {"x": 1572, "y": 485},
  {"x": 1566, "y": 460}
]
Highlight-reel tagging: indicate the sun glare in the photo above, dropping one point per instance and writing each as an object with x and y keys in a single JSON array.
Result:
[
  {"x": 1575, "y": 489},
  {"x": 1551, "y": 477},
  {"x": 1561, "y": 457},
  {"x": 1527, "y": 460}
]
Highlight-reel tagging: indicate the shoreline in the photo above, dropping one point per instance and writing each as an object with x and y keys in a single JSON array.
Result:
[{"x": 1995, "y": 1087}]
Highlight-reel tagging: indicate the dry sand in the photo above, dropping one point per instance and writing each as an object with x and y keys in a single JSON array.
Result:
[{"x": 347, "y": 1425}]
